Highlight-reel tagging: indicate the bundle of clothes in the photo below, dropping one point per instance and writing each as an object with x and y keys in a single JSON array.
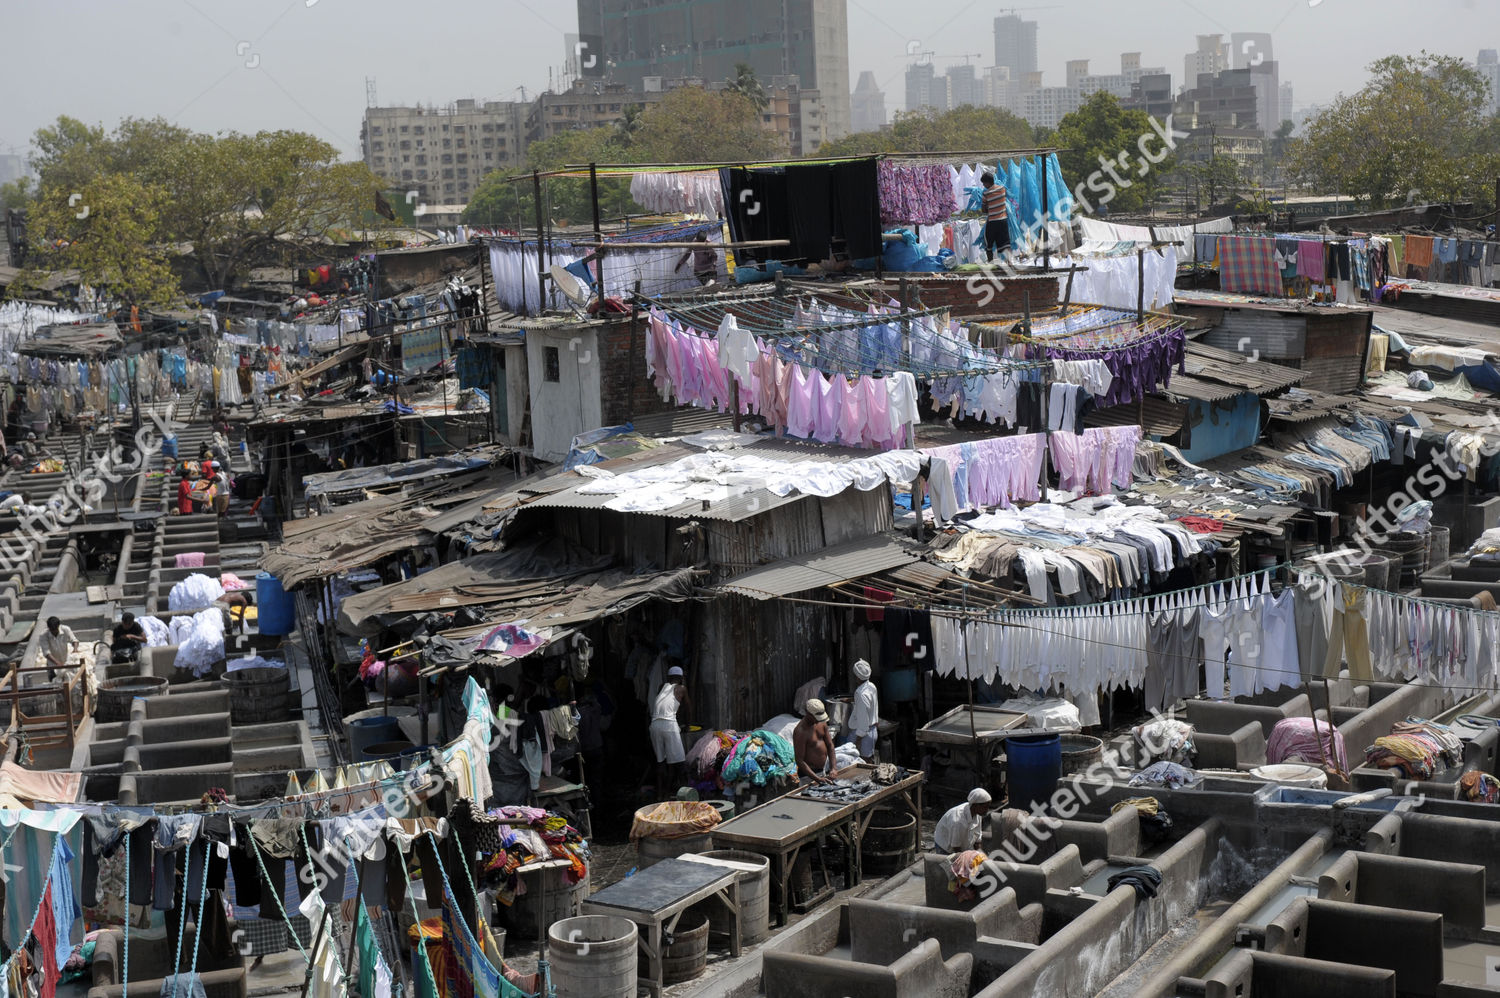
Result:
[
  {"x": 1307, "y": 740},
  {"x": 1165, "y": 739},
  {"x": 1479, "y": 788},
  {"x": 525, "y": 835},
  {"x": 759, "y": 757},
  {"x": 1418, "y": 748},
  {"x": 705, "y": 762},
  {"x": 961, "y": 868}
]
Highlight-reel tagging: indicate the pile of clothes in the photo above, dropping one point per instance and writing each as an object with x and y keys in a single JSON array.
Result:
[
  {"x": 1480, "y": 788},
  {"x": 1165, "y": 739},
  {"x": 758, "y": 757},
  {"x": 528, "y": 834},
  {"x": 1418, "y": 748},
  {"x": 961, "y": 868},
  {"x": 705, "y": 762}
]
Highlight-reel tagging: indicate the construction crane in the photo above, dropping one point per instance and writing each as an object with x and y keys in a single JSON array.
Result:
[{"x": 1017, "y": 10}]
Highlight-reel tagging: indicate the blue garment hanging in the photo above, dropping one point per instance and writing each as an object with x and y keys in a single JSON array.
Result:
[{"x": 1061, "y": 207}]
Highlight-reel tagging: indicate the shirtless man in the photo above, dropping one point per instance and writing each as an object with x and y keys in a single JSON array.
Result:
[{"x": 813, "y": 745}]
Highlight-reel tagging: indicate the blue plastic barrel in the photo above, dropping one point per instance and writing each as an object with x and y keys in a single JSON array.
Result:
[
  {"x": 169, "y": 447},
  {"x": 1033, "y": 766},
  {"x": 367, "y": 731},
  {"x": 900, "y": 685},
  {"x": 274, "y": 608}
]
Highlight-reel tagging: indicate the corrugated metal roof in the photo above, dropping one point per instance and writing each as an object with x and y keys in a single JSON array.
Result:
[
  {"x": 689, "y": 419},
  {"x": 1303, "y": 405},
  {"x": 1214, "y": 375},
  {"x": 1157, "y": 416},
  {"x": 840, "y": 563}
]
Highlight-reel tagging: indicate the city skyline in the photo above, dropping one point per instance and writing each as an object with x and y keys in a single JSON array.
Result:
[{"x": 268, "y": 65}]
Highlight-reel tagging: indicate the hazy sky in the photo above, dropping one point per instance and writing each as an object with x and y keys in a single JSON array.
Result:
[{"x": 259, "y": 64}]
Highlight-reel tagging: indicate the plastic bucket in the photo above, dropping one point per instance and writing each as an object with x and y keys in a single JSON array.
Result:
[
  {"x": 1288, "y": 774},
  {"x": 900, "y": 685},
  {"x": 1033, "y": 766},
  {"x": 275, "y": 610},
  {"x": 389, "y": 751},
  {"x": 367, "y": 731}
]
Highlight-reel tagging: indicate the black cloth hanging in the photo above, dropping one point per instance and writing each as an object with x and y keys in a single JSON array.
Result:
[{"x": 856, "y": 207}]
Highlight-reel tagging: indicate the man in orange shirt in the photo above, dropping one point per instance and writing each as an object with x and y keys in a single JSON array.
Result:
[
  {"x": 184, "y": 492},
  {"x": 996, "y": 217}
]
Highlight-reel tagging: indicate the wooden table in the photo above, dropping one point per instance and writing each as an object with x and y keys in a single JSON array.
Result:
[
  {"x": 909, "y": 789},
  {"x": 655, "y": 898},
  {"x": 973, "y": 749}
]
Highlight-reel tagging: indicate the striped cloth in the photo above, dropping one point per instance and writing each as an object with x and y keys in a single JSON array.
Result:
[{"x": 1247, "y": 265}]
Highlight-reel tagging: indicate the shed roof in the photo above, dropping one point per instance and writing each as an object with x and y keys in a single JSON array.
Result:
[{"x": 822, "y": 567}]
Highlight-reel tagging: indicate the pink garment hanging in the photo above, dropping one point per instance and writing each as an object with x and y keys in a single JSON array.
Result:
[
  {"x": 801, "y": 406},
  {"x": 826, "y": 411},
  {"x": 852, "y": 416},
  {"x": 877, "y": 413}
]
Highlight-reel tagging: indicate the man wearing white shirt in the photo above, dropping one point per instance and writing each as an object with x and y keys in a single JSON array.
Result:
[
  {"x": 864, "y": 716},
  {"x": 962, "y": 827}
]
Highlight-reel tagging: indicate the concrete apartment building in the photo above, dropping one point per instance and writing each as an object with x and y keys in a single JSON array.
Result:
[
  {"x": 1211, "y": 56},
  {"x": 1015, "y": 45},
  {"x": 808, "y": 39},
  {"x": 443, "y": 152},
  {"x": 1488, "y": 65}
]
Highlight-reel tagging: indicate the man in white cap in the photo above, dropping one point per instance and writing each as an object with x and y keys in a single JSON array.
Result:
[
  {"x": 962, "y": 827},
  {"x": 864, "y": 715},
  {"x": 666, "y": 733},
  {"x": 813, "y": 745}
]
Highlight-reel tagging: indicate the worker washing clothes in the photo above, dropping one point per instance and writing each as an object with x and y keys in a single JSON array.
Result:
[
  {"x": 128, "y": 639},
  {"x": 962, "y": 827},
  {"x": 56, "y": 642},
  {"x": 861, "y": 729},
  {"x": 666, "y": 732},
  {"x": 813, "y": 745}
]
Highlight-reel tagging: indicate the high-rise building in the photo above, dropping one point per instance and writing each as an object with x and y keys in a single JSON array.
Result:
[
  {"x": 1212, "y": 56},
  {"x": 12, "y": 167},
  {"x": 1120, "y": 84},
  {"x": 1488, "y": 65},
  {"x": 925, "y": 90},
  {"x": 1224, "y": 101},
  {"x": 1248, "y": 49},
  {"x": 808, "y": 39},
  {"x": 1253, "y": 51},
  {"x": 1015, "y": 45},
  {"x": 1285, "y": 104},
  {"x": 964, "y": 87},
  {"x": 867, "y": 105},
  {"x": 443, "y": 152}
]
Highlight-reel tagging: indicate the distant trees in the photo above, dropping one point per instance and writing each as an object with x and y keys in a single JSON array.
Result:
[
  {"x": 688, "y": 125},
  {"x": 1106, "y": 152},
  {"x": 962, "y": 129},
  {"x": 1416, "y": 131},
  {"x": 152, "y": 188}
]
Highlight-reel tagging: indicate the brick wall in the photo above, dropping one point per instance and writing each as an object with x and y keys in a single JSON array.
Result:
[{"x": 623, "y": 373}]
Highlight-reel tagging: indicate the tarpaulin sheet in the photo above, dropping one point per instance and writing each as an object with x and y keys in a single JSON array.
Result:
[{"x": 345, "y": 544}]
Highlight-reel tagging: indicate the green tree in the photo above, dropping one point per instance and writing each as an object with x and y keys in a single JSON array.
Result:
[
  {"x": 1216, "y": 180},
  {"x": 746, "y": 84},
  {"x": 629, "y": 125},
  {"x": 109, "y": 229},
  {"x": 1416, "y": 130},
  {"x": 1103, "y": 147},
  {"x": 962, "y": 129},
  {"x": 238, "y": 200},
  {"x": 506, "y": 197},
  {"x": 16, "y": 194},
  {"x": 693, "y": 125}
]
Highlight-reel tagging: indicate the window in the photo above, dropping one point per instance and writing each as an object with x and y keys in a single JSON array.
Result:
[
  {"x": 421, "y": 174},
  {"x": 460, "y": 143},
  {"x": 377, "y": 146},
  {"x": 483, "y": 143},
  {"x": 551, "y": 364},
  {"x": 448, "y": 188},
  {"x": 447, "y": 157},
  {"x": 374, "y": 129},
  {"x": 405, "y": 174},
  {"x": 421, "y": 160},
  {"x": 447, "y": 143},
  {"x": 418, "y": 130},
  {"x": 486, "y": 127},
  {"x": 406, "y": 143},
  {"x": 448, "y": 175},
  {"x": 404, "y": 129},
  {"x": 462, "y": 157},
  {"x": 463, "y": 172}
]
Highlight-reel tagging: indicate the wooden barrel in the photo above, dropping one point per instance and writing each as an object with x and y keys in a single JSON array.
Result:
[
  {"x": 115, "y": 695},
  {"x": 549, "y": 898},
  {"x": 686, "y": 956},
  {"x": 593, "y": 956},
  {"x": 257, "y": 695},
  {"x": 1079, "y": 752},
  {"x": 753, "y": 871},
  {"x": 890, "y": 841},
  {"x": 651, "y": 850}
]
